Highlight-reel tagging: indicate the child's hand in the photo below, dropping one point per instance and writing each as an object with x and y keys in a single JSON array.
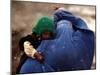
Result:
[
  {"x": 32, "y": 52},
  {"x": 29, "y": 50}
]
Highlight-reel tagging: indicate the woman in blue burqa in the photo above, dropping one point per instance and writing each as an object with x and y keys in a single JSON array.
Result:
[{"x": 71, "y": 49}]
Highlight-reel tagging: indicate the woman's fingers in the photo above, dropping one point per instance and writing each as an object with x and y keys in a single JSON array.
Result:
[
  {"x": 56, "y": 7},
  {"x": 39, "y": 57}
]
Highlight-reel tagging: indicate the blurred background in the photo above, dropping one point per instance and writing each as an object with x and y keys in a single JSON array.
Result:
[{"x": 24, "y": 15}]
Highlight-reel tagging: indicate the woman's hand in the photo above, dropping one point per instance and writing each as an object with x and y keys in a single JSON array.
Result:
[
  {"x": 56, "y": 7},
  {"x": 39, "y": 56}
]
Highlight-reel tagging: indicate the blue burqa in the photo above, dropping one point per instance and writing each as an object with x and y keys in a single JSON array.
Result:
[{"x": 72, "y": 48}]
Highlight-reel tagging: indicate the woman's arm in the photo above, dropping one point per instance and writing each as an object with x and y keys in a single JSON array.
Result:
[{"x": 62, "y": 14}]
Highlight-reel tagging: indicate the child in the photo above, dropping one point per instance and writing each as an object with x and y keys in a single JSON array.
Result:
[
  {"x": 44, "y": 30},
  {"x": 32, "y": 42}
]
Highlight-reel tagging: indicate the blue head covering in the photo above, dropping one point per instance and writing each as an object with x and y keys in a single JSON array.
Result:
[{"x": 71, "y": 49}]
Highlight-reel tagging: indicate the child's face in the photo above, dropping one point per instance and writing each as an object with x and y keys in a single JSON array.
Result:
[{"x": 46, "y": 35}]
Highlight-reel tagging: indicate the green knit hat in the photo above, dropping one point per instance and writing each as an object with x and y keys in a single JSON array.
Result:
[{"x": 43, "y": 25}]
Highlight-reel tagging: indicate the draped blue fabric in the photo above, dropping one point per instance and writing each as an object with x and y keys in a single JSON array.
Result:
[{"x": 72, "y": 49}]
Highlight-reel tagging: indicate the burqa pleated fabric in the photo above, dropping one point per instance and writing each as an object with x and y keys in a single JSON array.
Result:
[{"x": 72, "y": 48}]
